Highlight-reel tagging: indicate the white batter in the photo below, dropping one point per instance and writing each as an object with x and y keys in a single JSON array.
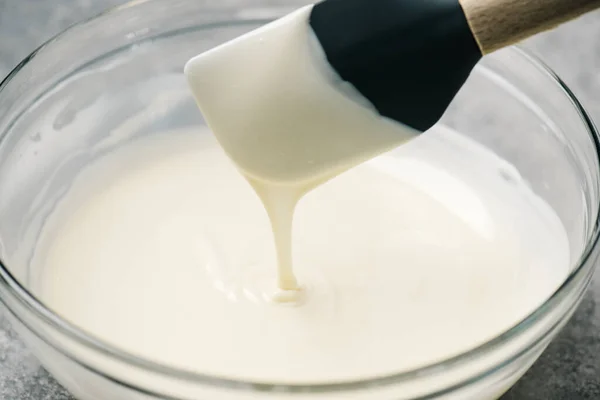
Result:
[
  {"x": 163, "y": 249},
  {"x": 286, "y": 119}
]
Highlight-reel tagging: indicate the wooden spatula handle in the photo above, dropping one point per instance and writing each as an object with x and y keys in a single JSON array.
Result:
[{"x": 500, "y": 23}]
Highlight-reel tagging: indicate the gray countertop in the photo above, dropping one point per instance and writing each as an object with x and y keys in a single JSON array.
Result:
[{"x": 570, "y": 368}]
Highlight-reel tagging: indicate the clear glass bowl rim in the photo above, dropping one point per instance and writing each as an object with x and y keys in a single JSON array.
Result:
[{"x": 10, "y": 286}]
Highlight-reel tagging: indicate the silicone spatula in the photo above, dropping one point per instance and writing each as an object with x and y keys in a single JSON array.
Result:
[{"x": 410, "y": 57}]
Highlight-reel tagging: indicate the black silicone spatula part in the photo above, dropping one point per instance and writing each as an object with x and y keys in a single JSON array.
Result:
[{"x": 409, "y": 58}]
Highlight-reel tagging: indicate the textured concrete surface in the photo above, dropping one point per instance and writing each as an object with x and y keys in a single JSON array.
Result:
[{"x": 569, "y": 370}]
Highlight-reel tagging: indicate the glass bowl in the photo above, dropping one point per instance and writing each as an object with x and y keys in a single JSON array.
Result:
[{"x": 66, "y": 103}]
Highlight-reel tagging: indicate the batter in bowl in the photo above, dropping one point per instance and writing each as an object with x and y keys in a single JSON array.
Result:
[
  {"x": 405, "y": 258},
  {"x": 412, "y": 257}
]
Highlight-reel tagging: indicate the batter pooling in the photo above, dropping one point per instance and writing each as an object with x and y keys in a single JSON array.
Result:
[
  {"x": 408, "y": 257},
  {"x": 164, "y": 250}
]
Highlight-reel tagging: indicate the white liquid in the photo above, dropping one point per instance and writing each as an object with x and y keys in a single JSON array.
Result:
[
  {"x": 286, "y": 119},
  {"x": 163, "y": 249}
]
